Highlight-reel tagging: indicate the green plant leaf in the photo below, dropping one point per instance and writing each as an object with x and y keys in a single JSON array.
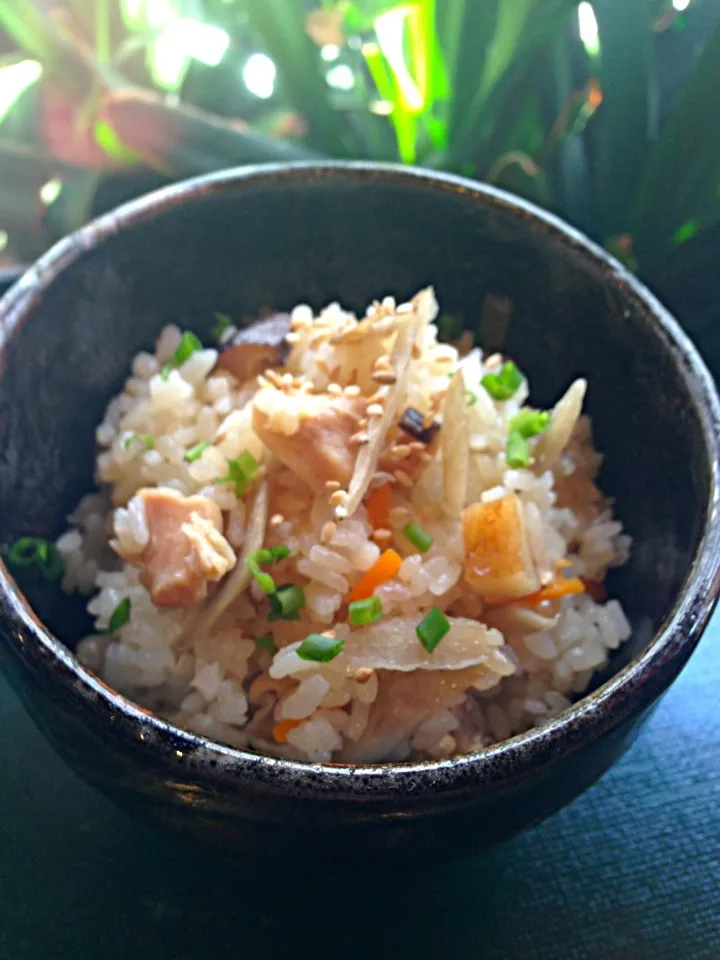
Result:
[
  {"x": 627, "y": 120},
  {"x": 183, "y": 141},
  {"x": 466, "y": 30},
  {"x": 476, "y": 138},
  {"x": 40, "y": 37},
  {"x": 279, "y": 26},
  {"x": 681, "y": 177}
]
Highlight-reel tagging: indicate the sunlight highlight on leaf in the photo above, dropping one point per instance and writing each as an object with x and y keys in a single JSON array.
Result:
[
  {"x": 390, "y": 29},
  {"x": 14, "y": 79}
]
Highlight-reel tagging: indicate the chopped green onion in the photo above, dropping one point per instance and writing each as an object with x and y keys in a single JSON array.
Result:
[
  {"x": 40, "y": 553},
  {"x": 223, "y": 322},
  {"x": 28, "y": 552},
  {"x": 54, "y": 567},
  {"x": 189, "y": 344},
  {"x": 320, "y": 648},
  {"x": 145, "y": 438},
  {"x": 470, "y": 398},
  {"x": 505, "y": 383},
  {"x": 529, "y": 422},
  {"x": 432, "y": 629},
  {"x": 254, "y": 561},
  {"x": 120, "y": 615},
  {"x": 286, "y": 603},
  {"x": 241, "y": 470},
  {"x": 266, "y": 643},
  {"x": 265, "y": 557},
  {"x": 517, "y": 452},
  {"x": 417, "y": 537},
  {"x": 165, "y": 373},
  {"x": 525, "y": 424},
  {"x": 361, "y": 612},
  {"x": 194, "y": 453}
]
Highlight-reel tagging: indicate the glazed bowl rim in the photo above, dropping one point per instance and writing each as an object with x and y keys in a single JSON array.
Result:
[{"x": 630, "y": 691}]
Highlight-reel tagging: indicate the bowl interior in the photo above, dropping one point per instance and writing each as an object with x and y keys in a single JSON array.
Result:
[{"x": 238, "y": 247}]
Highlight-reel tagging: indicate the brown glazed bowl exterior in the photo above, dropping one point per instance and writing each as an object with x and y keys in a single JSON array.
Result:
[{"x": 243, "y": 240}]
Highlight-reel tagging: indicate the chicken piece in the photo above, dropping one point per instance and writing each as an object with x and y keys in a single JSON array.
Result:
[
  {"x": 250, "y": 351},
  {"x": 403, "y": 702},
  {"x": 186, "y": 548},
  {"x": 498, "y": 560},
  {"x": 310, "y": 433}
]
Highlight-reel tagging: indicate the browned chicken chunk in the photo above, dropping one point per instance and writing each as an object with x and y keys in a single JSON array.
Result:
[
  {"x": 311, "y": 433},
  {"x": 186, "y": 549}
]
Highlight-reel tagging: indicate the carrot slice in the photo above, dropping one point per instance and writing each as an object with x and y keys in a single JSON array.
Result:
[
  {"x": 283, "y": 728},
  {"x": 553, "y": 591},
  {"x": 378, "y": 507},
  {"x": 384, "y": 569}
]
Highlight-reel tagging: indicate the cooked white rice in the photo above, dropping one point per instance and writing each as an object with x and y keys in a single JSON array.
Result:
[{"x": 502, "y": 668}]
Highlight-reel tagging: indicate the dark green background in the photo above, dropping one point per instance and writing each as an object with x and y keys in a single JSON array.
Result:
[{"x": 631, "y": 869}]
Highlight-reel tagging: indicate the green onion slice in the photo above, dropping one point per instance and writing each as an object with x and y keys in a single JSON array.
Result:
[
  {"x": 525, "y": 424},
  {"x": 417, "y": 537},
  {"x": 145, "y": 438},
  {"x": 223, "y": 323},
  {"x": 432, "y": 629},
  {"x": 505, "y": 383},
  {"x": 120, "y": 615},
  {"x": 286, "y": 603},
  {"x": 194, "y": 453},
  {"x": 517, "y": 452},
  {"x": 254, "y": 562},
  {"x": 530, "y": 423},
  {"x": 361, "y": 612},
  {"x": 189, "y": 344},
  {"x": 241, "y": 470},
  {"x": 262, "y": 558},
  {"x": 40, "y": 553},
  {"x": 266, "y": 643},
  {"x": 320, "y": 648}
]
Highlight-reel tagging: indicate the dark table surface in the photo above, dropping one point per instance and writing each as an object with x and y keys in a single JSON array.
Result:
[{"x": 631, "y": 869}]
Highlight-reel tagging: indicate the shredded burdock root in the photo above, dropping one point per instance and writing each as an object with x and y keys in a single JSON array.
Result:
[
  {"x": 455, "y": 447},
  {"x": 563, "y": 421},
  {"x": 424, "y": 312}
]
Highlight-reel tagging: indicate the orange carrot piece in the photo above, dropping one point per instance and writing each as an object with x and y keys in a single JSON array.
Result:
[
  {"x": 384, "y": 569},
  {"x": 378, "y": 507},
  {"x": 553, "y": 591},
  {"x": 283, "y": 728}
]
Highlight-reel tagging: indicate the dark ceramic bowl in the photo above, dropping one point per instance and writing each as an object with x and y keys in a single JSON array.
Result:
[{"x": 244, "y": 240}]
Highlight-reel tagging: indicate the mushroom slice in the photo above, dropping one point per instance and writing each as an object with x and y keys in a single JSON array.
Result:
[{"x": 250, "y": 351}]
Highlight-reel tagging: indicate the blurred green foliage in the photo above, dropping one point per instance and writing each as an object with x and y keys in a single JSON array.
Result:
[{"x": 602, "y": 112}]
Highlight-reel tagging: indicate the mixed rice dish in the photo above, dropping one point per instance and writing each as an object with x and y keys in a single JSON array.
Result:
[{"x": 338, "y": 539}]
